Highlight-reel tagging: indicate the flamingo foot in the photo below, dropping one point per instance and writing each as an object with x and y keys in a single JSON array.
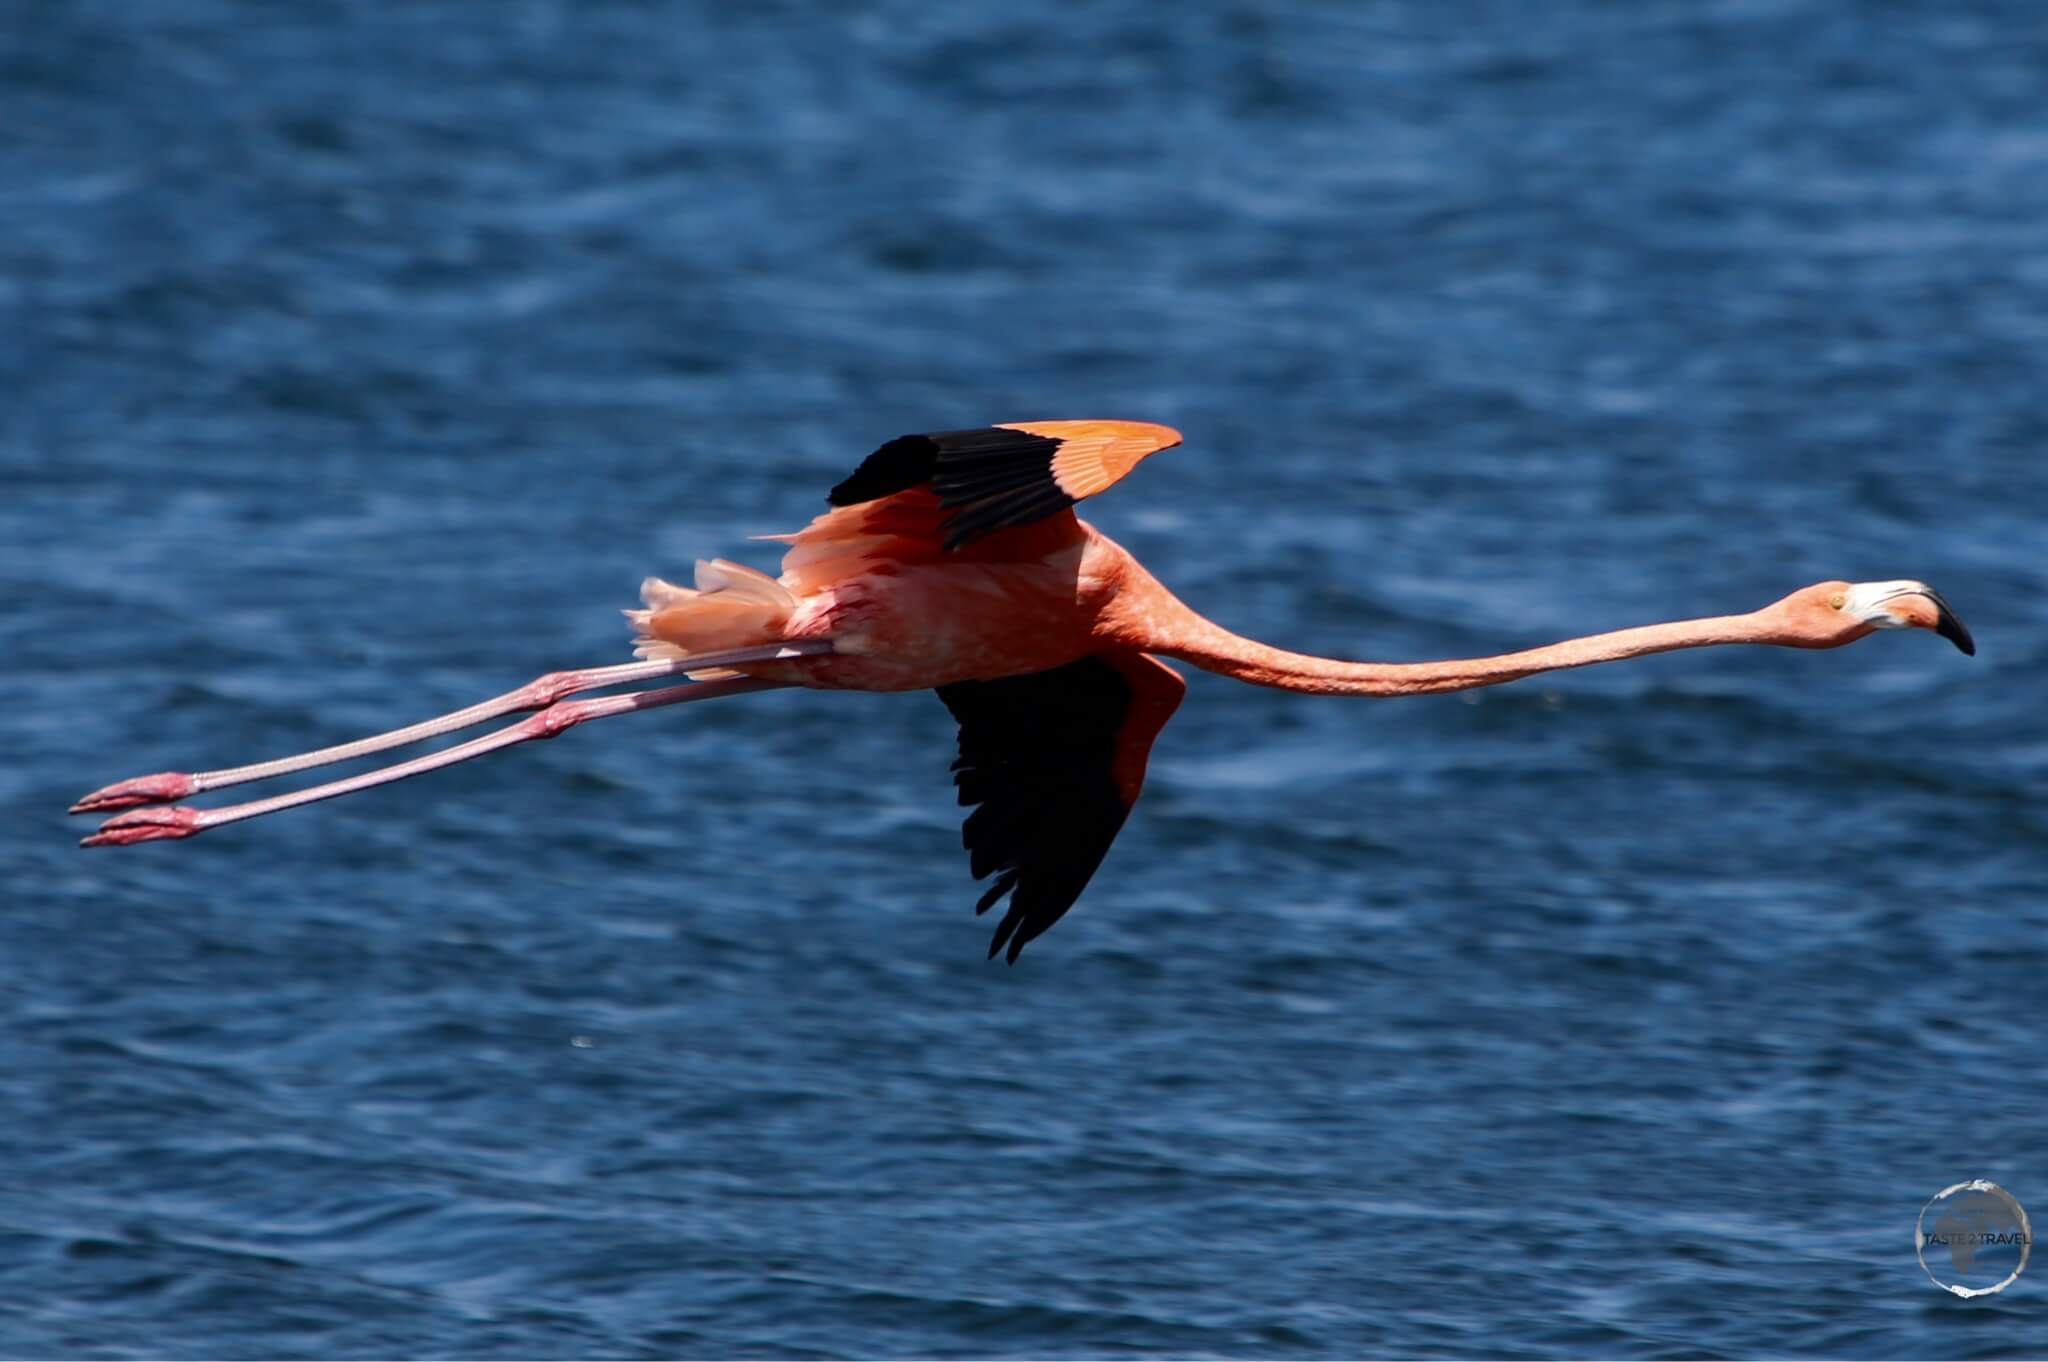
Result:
[
  {"x": 126, "y": 794},
  {"x": 145, "y": 825}
]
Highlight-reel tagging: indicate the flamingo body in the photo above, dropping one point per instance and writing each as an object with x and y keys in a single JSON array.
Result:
[
  {"x": 916, "y": 625},
  {"x": 948, "y": 557}
]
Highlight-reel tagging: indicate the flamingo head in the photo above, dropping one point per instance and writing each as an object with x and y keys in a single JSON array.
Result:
[{"x": 1829, "y": 614}]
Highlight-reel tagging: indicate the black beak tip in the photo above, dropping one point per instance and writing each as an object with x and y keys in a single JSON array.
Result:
[{"x": 1951, "y": 628}]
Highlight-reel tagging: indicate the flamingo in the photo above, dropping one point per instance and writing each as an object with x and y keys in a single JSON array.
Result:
[{"x": 954, "y": 562}]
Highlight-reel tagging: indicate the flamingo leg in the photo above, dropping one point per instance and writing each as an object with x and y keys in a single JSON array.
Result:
[
  {"x": 538, "y": 693},
  {"x": 154, "y": 824}
]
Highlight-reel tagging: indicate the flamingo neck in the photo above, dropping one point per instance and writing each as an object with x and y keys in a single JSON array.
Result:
[{"x": 1181, "y": 633}]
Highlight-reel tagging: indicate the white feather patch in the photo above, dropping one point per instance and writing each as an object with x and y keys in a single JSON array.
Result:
[{"x": 719, "y": 574}]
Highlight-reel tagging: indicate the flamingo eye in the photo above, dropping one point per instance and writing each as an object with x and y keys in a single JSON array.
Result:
[{"x": 1838, "y": 600}]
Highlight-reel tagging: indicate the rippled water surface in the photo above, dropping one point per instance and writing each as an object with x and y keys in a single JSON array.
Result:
[{"x": 357, "y": 361}]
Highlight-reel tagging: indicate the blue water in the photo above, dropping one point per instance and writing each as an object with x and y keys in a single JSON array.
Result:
[{"x": 357, "y": 361}]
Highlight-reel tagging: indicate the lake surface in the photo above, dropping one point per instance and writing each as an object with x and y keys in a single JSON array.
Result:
[{"x": 358, "y": 361}]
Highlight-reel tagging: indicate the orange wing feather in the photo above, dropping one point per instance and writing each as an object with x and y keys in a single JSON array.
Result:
[
  {"x": 1156, "y": 691},
  {"x": 1094, "y": 455}
]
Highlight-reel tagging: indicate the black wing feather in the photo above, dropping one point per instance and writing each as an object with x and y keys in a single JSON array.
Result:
[
  {"x": 1035, "y": 755},
  {"x": 989, "y": 478}
]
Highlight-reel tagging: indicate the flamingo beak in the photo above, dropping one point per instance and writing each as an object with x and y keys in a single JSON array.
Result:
[
  {"x": 1949, "y": 627},
  {"x": 1909, "y": 605}
]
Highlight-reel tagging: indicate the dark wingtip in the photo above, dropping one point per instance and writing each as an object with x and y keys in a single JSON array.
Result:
[{"x": 897, "y": 466}]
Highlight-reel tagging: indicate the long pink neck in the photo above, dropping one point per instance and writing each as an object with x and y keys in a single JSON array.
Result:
[{"x": 1170, "y": 628}]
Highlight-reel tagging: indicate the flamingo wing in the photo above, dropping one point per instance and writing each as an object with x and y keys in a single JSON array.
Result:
[
  {"x": 1054, "y": 759},
  {"x": 997, "y": 477}
]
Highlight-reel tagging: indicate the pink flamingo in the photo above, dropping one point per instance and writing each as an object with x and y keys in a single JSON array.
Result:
[{"x": 954, "y": 562}]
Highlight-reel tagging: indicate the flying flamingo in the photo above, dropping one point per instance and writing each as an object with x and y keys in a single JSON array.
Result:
[{"x": 954, "y": 562}]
